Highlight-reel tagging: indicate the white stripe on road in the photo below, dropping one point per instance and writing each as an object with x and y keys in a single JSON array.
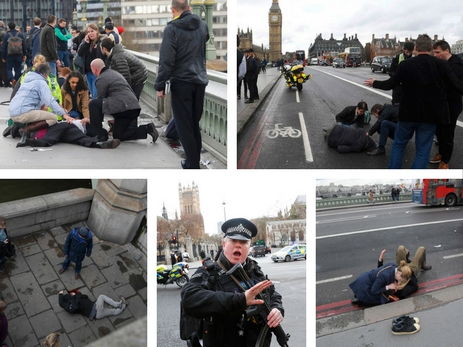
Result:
[
  {"x": 305, "y": 139},
  {"x": 460, "y": 123},
  {"x": 298, "y": 99},
  {"x": 453, "y": 256},
  {"x": 387, "y": 228},
  {"x": 334, "y": 279}
]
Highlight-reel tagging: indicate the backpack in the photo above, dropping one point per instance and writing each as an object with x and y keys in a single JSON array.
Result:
[{"x": 15, "y": 45}]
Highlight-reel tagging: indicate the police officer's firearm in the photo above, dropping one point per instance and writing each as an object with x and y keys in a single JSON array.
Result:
[{"x": 263, "y": 310}]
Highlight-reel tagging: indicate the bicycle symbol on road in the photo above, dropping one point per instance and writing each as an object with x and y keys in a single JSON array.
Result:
[{"x": 284, "y": 132}]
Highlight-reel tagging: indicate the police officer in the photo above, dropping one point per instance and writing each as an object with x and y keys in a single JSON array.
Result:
[{"x": 214, "y": 296}]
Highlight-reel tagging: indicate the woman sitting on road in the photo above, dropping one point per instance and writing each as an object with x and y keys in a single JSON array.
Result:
[
  {"x": 375, "y": 287},
  {"x": 75, "y": 96}
]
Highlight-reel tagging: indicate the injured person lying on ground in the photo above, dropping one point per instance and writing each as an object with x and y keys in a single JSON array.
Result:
[{"x": 346, "y": 139}]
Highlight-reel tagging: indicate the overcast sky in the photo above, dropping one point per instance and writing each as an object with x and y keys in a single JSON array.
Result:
[
  {"x": 303, "y": 20},
  {"x": 246, "y": 196}
]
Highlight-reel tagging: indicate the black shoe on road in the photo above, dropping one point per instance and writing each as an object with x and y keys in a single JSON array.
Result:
[
  {"x": 377, "y": 151},
  {"x": 152, "y": 131}
]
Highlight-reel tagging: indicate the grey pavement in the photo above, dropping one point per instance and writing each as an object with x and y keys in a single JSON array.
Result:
[
  {"x": 439, "y": 313},
  {"x": 32, "y": 283},
  {"x": 141, "y": 154},
  {"x": 265, "y": 83}
]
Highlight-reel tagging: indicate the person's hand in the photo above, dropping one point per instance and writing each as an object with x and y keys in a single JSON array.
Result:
[
  {"x": 85, "y": 121},
  {"x": 392, "y": 286},
  {"x": 369, "y": 83},
  {"x": 6, "y": 241},
  {"x": 161, "y": 94},
  {"x": 87, "y": 39},
  {"x": 251, "y": 293},
  {"x": 68, "y": 118},
  {"x": 44, "y": 108},
  {"x": 274, "y": 318},
  {"x": 61, "y": 292}
]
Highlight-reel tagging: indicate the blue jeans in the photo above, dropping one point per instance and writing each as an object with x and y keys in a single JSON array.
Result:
[
  {"x": 64, "y": 57},
  {"x": 91, "y": 83},
  {"x": 76, "y": 114},
  {"x": 387, "y": 129},
  {"x": 424, "y": 134},
  {"x": 66, "y": 263},
  {"x": 13, "y": 62},
  {"x": 52, "y": 65}
]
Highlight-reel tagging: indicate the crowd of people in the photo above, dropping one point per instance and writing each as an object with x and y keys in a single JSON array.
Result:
[{"x": 66, "y": 82}]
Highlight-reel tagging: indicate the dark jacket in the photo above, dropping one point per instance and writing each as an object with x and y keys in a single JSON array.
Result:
[
  {"x": 35, "y": 42},
  {"x": 76, "y": 248},
  {"x": 412, "y": 285},
  {"x": 347, "y": 140},
  {"x": 116, "y": 93},
  {"x": 370, "y": 286},
  {"x": 78, "y": 303},
  {"x": 89, "y": 55},
  {"x": 348, "y": 116},
  {"x": 48, "y": 43},
  {"x": 128, "y": 65},
  {"x": 223, "y": 307},
  {"x": 388, "y": 112},
  {"x": 183, "y": 51},
  {"x": 397, "y": 91},
  {"x": 424, "y": 80},
  {"x": 457, "y": 67},
  {"x": 10, "y": 33}
]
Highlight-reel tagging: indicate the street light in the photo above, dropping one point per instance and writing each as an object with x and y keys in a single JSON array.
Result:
[
  {"x": 105, "y": 8},
  {"x": 224, "y": 214},
  {"x": 83, "y": 5}
]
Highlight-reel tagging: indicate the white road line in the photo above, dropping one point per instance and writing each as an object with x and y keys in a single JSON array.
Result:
[
  {"x": 387, "y": 228},
  {"x": 334, "y": 279},
  {"x": 460, "y": 123},
  {"x": 298, "y": 99},
  {"x": 337, "y": 220},
  {"x": 305, "y": 139},
  {"x": 453, "y": 256}
]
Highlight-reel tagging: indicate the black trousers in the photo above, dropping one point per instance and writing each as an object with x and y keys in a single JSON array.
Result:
[
  {"x": 251, "y": 82},
  {"x": 187, "y": 106},
  {"x": 445, "y": 133},
  {"x": 3, "y": 73},
  {"x": 63, "y": 132},
  {"x": 123, "y": 129}
]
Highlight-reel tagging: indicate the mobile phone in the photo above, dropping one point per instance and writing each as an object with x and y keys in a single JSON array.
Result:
[{"x": 167, "y": 88}]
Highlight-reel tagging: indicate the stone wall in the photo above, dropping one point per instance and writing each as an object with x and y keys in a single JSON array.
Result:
[{"x": 48, "y": 211}]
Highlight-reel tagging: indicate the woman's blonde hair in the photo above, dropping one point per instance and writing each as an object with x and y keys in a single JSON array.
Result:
[
  {"x": 52, "y": 340},
  {"x": 94, "y": 27},
  {"x": 39, "y": 59},
  {"x": 406, "y": 273}
]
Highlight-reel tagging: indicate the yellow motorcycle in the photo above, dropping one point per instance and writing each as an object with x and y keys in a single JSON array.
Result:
[{"x": 295, "y": 75}]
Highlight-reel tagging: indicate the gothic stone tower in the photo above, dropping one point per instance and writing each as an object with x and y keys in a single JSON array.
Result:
[
  {"x": 189, "y": 200},
  {"x": 275, "y": 20}
]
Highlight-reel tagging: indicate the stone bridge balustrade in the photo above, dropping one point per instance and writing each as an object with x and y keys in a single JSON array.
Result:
[{"x": 213, "y": 123}]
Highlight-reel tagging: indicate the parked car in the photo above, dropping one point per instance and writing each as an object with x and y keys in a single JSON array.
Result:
[
  {"x": 339, "y": 63},
  {"x": 290, "y": 253},
  {"x": 258, "y": 250},
  {"x": 268, "y": 249},
  {"x": 322, "y": 63},
  {"x": 381, "y": 63}
]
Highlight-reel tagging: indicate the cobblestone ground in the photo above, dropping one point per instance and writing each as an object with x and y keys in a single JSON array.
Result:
[{"x": 31, "y": 286}]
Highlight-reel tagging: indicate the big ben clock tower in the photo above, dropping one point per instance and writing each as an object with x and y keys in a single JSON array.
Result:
[{"x": 274, "y": 22}]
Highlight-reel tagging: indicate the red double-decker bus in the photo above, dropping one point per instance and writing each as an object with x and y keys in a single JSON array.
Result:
[{"x": 432, "y": 192}]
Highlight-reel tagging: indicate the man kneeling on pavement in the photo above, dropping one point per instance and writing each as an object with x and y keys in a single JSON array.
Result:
[{"x": 387, "y": 117}]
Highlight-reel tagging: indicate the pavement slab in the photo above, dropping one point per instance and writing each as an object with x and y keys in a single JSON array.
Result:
[{"x": 32, "y": 283}]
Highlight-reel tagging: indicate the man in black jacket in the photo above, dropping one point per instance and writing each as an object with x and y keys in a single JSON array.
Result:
[
  {"x": 80, "y": 303},
  {"x": 406, "y": 54},
  {"x": 445, "y": 132},
  {"x": 48, "y": 46},
  {"x": 183, "y": 60},
  {"x": 218, "y": 300},
  {"x": 423, "y": 104},
  {"x": 387, "y": 117},
  {"x": 353, "y": 115},
  {"x": 347, "y": 140}
]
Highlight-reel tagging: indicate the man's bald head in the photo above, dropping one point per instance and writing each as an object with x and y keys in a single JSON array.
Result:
[{"x": 97, "y": 65}]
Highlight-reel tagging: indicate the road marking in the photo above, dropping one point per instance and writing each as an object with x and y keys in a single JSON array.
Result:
[
  {"x": 345, "y": 219},
  {"x": 460, "y": 123},
  {"x": 305, "y": 139},
  {"x": 297, "y": 96},
  {"x": 387, "y": 228},
  {"x": 453, "y": 256},
  {"x": 334, "y": 279}
]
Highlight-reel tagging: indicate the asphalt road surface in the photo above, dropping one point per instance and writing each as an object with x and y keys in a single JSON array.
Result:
[
  {"x": 349, "y": 242},
  {"x": 289, "y": 280},
  {"x": 286, "y": 132}
]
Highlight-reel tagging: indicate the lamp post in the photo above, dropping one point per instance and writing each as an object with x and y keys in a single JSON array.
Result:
[
  {"x": 74, "y": 17},
  {"x": 83, "y": 5},
  {"x": 105, "y": 8},
  {"x": 224, "y": 214},
  {"x": 199, "y": 8}
]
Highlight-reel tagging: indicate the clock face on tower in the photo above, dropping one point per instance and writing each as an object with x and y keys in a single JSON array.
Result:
[{"x": 274, "y": 18}]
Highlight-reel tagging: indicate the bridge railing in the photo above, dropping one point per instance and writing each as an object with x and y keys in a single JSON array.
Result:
[
  {"x": 359, "y": 200},
  {"x": 213, "y": 122}
]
